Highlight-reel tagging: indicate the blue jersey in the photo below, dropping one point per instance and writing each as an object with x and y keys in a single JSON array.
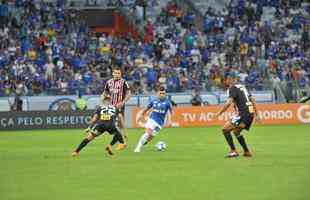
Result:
[{"x": 160, "y": 109}]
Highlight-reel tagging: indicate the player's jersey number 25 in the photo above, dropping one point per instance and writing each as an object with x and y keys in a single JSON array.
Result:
[{"x": 107, "y": 113}]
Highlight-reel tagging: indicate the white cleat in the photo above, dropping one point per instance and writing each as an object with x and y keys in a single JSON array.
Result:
[{"x": 137, "y": 150}]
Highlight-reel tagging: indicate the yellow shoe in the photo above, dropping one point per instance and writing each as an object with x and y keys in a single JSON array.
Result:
[
  {"x": 121, "y": 147},
  {"x": 74, "y": 154}
]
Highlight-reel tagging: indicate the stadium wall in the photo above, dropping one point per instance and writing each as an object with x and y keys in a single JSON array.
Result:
[
  {"x": 44, "y": 120},
  {"x": 270, "y": 114},
  {"x": 67, "y": 102},
  {"x": 59, "y": 111},
  {"x": 185, "y": 116}
]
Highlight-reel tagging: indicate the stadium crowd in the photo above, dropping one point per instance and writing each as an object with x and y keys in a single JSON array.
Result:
[{"x": 45, "y": 49}]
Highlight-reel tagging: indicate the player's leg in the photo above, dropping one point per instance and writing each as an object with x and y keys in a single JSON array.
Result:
[
  {"x": 144, "y": 139},
  {"x": 151, "y": 130},
  {"x": 227, "y": 128},
  {"x": 117, "y": 137},
  {"x": 90, "y": 136},
  {"x": 122, "y": 125},
  {"x": 241, "y": 139},
  {"x": 245, "y": 123},
  {"x": 123, "y": 132}
]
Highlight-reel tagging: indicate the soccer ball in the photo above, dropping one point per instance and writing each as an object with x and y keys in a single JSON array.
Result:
[{"x": 161, "y": 146}]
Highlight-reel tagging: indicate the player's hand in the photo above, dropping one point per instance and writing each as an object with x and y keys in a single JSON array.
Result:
[
  {"x": 140, "y": 118},
  {"x": 120, "y": 104}
]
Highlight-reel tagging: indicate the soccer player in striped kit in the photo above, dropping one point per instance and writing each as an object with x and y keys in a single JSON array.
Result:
[{"x": 119, "y": 90}]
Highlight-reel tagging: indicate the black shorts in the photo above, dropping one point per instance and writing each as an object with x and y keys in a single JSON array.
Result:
[
  {"x": 246, "y": 119},
  {"x": 100, "y": 127}
]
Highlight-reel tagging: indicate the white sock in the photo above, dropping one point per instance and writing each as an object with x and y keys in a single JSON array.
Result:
[{"x": 142, "y": 140}]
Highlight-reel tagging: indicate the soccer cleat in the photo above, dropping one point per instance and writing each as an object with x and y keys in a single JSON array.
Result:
[
  {"x": 137, "y": 151},
  {"x": 109, "y": 149},
  {"x": 74, "y": 154},
  {"x": 232, "y": 154},
  {"x": 121, "y": 147},
  {"x": 247, "y": 154}
]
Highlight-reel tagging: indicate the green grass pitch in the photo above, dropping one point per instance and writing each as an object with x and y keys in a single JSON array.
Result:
[{"x": 36, "y": 165}]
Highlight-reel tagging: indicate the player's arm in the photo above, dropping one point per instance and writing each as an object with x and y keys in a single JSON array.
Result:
[
  {"x": 172, "y": 104},
  {"x": 92, "y": 121},
  {"x": 127, "y": 97},
  {"x": 169, "y": 116},
  {"x": 171, "y": 112},
  {"x": 120, "y": 116},
  {"x": 145, "y": 110},
  {"x": 94, "y": 118},
  {"x": 224, "y": 108},
  {"x": 106, "y": 91}
]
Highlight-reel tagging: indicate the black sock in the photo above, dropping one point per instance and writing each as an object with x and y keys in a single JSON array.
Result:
[
  {"x": 114, "y": 140},
  {"x": 229, "y": 140},
  {"x": 121, "y": 139},
  {"x": 117, "y": 138},
  {"x": 82, "y": 145},
  {"x": 242, "y": 142}
]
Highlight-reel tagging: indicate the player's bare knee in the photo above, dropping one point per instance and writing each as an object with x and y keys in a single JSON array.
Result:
[
  {"x": 149, "y": 131},
  {"x": 225, "y": 130},
  {"x": 90, "y": 136},
  {"x": 149, "y": 137}
]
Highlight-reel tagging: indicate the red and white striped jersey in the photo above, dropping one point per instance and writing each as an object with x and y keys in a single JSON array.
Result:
[{"x": 117, "y": 89}]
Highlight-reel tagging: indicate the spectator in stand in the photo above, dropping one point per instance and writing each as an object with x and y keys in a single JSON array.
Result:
[
  {"x": 196, "y": 99},
  {"x": 47, "y": 48}
]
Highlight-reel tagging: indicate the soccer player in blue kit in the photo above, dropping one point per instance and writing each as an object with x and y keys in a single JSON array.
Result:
[{"x": 160, "y": 107}]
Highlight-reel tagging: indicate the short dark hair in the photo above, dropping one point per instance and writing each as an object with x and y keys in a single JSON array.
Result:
[
  {"x": 161, "y": 88},
  {"x": 117, "y": 68}
]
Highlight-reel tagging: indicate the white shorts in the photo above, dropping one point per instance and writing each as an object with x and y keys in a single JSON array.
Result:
[{"x": 151, "y": 124}]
